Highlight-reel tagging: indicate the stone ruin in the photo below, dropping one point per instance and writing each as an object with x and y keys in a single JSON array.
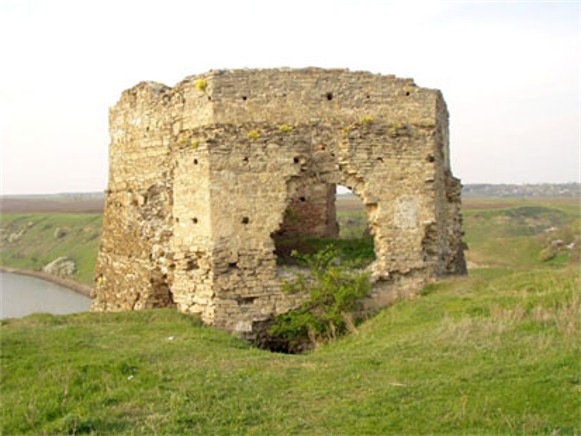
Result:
[{"x": 203, "y": 176}]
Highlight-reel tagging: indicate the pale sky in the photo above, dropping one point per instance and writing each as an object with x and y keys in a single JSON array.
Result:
[{"x": 509, "y": 71}]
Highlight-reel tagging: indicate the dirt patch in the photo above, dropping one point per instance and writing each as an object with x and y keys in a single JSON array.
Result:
[
  {"x": 21, "y": 205},
  {"x": 475, "y": 205},
  {"x": 348, "y": 204}
]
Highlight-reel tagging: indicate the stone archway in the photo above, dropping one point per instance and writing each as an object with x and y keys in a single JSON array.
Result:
[{"x": 230, "y": 151}]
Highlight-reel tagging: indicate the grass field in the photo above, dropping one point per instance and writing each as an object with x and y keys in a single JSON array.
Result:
[{"x": 497, "y": 352}]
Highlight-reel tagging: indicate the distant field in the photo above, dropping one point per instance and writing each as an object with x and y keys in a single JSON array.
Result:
[
  {"x": 501, "y": 232},
  {"x": 22, "y": 205}
]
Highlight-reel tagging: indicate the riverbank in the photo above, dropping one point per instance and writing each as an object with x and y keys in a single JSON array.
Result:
[{"x": 67, "y": 283}]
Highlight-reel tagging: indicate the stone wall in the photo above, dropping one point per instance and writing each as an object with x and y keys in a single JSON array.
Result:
[{"x": 205, "y": 174}]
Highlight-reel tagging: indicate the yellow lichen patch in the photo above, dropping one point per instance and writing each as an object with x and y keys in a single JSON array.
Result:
[
  {"x": 367, "y": 119},
  {"x": 253, "y": 134},
  {"x": 194, "y": 144},
  {"x": 397, "y": 129},
  {"x": 201, "y": 85},
  {"x": 285, "y": 128}
]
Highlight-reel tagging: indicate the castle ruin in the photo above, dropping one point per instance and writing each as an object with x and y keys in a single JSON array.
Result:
[{"x": 202, "y": 176}]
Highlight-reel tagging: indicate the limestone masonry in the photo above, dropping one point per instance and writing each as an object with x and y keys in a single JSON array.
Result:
[{"x": 205, "y": 174}]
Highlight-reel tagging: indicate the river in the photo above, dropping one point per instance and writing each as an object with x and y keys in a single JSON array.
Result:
[{"x": 22, "y": 295}]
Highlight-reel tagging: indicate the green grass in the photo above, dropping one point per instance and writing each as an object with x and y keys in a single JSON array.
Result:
[
  {"x": 497, "y": 352},
  {"x": 513, "y": 237},
  {"x": 471, "y": 356},
  {"x": 359, "y": 252},
  {"x": 38, "y": 245}
]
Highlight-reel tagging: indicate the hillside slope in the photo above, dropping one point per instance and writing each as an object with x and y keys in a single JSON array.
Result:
[
  {"x": 496, "y": 352},
  {"x": 30, "y": 241},
  {"x": 470, "y": 355}
]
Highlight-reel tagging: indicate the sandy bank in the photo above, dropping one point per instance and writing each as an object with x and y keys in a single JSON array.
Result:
[{"x": 70, "y": 284}]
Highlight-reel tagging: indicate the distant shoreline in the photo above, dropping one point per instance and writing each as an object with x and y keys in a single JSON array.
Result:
[{"x": 65, "y": 283}]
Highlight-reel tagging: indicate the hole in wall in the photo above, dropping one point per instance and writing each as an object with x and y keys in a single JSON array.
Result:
[
  {"x": 407, "y": 93},
  {"x": 430, "y": 158},
  {"x": 191, "y": 264},
  {"x": 245, "y": 220},
  {"x": 244, "y": 98},
  {"x": 195, "y": 220},
  {"x": 354, "y": 225},
  {"x": 380, "y": 159},
  {"x": 329, "y": 96},
  {"x": 323, "y": 214},
  {"x": 296, "y": 160},
  {"x": 244, "y": 301},
  {"x": 195, "y": 161},
  {"x": 245, "y": 159},
  {"x": 209, "y": 98}
]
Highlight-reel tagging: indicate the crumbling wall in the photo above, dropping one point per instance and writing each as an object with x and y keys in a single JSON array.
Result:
[{"x": 206, "y": 174}]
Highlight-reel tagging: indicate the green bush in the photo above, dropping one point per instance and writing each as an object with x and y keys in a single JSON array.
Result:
[{"x": 335, "y": 292}]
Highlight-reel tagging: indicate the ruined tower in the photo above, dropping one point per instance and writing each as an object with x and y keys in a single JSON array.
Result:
[{"x": 201, "y": 175}]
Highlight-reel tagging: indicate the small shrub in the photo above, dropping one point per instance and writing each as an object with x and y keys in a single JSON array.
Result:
[
  {"x": 253, "y": 134},
  {"x": 335, "y": 292}
]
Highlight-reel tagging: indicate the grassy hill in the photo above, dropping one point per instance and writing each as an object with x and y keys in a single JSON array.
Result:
[
  {"x": 31, "y": 240},
  {"x": 497, "y": 352},
  {"x": 470, "y": 355}
]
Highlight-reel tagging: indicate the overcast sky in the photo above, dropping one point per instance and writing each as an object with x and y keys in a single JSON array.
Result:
[{"x": 509, "y": 71}]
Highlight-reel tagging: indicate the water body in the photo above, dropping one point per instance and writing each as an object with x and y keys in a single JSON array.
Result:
[{"x": 23, "y": 295}]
